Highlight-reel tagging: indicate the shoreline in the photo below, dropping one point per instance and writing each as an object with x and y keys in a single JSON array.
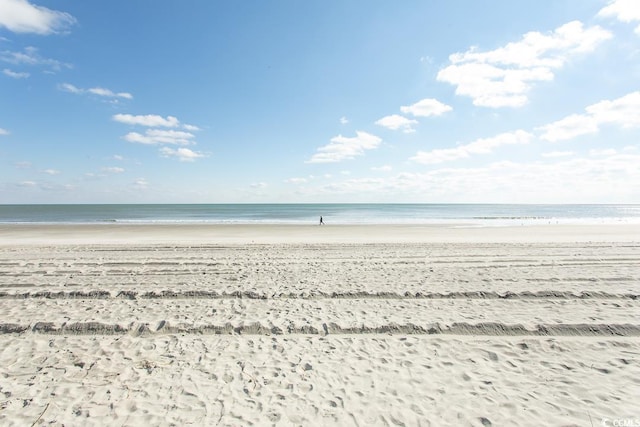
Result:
[{"x": 63, "y": 234}]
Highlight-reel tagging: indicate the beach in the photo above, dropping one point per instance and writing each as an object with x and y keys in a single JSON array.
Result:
[{"x": 210, "y": 324}]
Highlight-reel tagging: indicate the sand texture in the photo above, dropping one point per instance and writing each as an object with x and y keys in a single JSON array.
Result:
[{"x": 531, "y": 332}]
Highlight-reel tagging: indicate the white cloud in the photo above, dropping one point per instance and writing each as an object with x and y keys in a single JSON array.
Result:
[
  {"x": 51, "y": 171},
  {"x": 296, "y": 181},
  {"x": 149, "y": 120},
  {"x": 624, "y": 10},
  {"x": 113, "y": 169},
  {"x": 140, "y": 184},
  {"x": 28, "y": 184},
  {"x": 343, "y": 148},
  {"x": 397, "y": 122},
  {"x": 358, "y": 185},
  {"x": 439, "y": 155},
  {"x": 160, "y": 136},
  {"x": 606, "y": 152},
  {"x": 107, "y": 93},
  {"x": 504, "y": 76},
  {"x": 259, "y": 185},
  {"x": 30, "y": 56},
  {"x": 344, "y": 120},
  {"x": 182, "y": 154},
  {"x": 594, "y": 179},
  {"x": 4, "y": 132},
  {"x": 20, "y": 16},
  {"x": 117, "y": 157},
  {"x": 426, "y": 108},
  {"x": 68, "y": 87},
  {"x": 556, "y": 154},
  {"x": 385, "y": 168},
  {"x": 479, "y": 146},
  {"x": 569, "y": 127},
  {"x": 623, "y": 112},
  {"x": 15, "y": 74},
  {"x": 191, "y": 128}
]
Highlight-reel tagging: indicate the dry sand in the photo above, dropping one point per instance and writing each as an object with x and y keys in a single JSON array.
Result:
[{"x": 334, "y": 325}]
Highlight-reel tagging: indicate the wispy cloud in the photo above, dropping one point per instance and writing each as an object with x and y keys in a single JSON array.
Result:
[
  {"x": 296, "y": 181},
  {"x": 140, "y": 184},
  {"x": 397, "y": 122},
  {"x": 182, "y": 154},
  {"x": 161, "y": 136},
  {"x": 624, "y": 10},
  {"x": 569, "y": 127},
  {"x": 4, "y": 132},
  {"x": 149, "y": 120},
  {"x": 99, "y": 91},
  {"x": 68, "y": 87},
  {"x": 479, "y": 146},
  {"x": 113, "y": 169},
  {"x": 556, "y": 154},
  {"x": 20, "y": 16},
  {"x": 343, "y": 148},
  {"x": 426, "y": 108},
  {"x": 30, "y": 56},
  {"x": 344, "y": 120},
  {"x": 606, "y": 152},
  {"x": 15, "y": 74},
  {"x": 504, "y": 76},
  {"x": 602, "y": 177},
  {"x": 51, "y": 171},
  {"x": 623, "y": 112},
  {"x": 190, "y": 128},
  {"x": 45, "y": 186}
]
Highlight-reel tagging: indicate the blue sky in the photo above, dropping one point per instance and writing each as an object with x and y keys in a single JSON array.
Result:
[{"x": 161, "y": 101}]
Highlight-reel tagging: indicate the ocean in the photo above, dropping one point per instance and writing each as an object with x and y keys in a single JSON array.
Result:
[{"x": 375, "y": 213}]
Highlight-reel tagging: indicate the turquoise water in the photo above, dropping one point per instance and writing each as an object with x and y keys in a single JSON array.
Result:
[{"x": 467, "y": 214}]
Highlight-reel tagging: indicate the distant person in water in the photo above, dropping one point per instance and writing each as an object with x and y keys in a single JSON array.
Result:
[{"x": 321, "y": 221}]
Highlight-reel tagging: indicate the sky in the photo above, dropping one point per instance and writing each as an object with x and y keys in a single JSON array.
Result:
[{"x": 289, "y": 101}]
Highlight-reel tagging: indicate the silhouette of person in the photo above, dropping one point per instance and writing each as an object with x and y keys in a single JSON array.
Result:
[{"x": 321, "y": 221}]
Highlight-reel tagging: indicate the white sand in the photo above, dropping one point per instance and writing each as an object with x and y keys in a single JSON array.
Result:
[
  {"x": 334, "y": 325},
  {"x": 14, "y": 234}
]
